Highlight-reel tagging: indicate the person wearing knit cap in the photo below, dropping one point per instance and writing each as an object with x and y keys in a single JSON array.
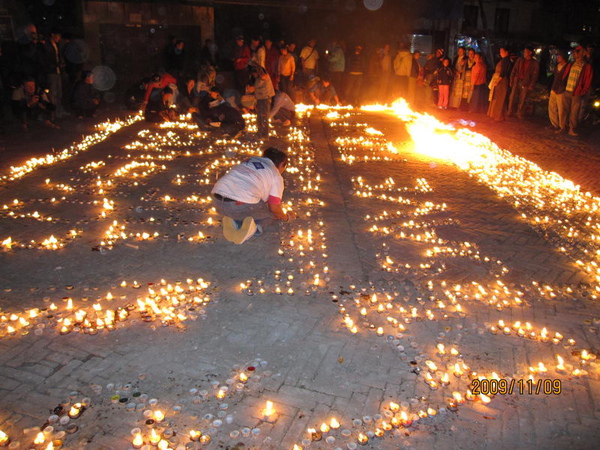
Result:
[{"x": 578, "y": 77}]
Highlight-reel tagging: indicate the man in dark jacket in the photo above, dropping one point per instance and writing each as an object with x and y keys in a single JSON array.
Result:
[
  {"x": 53, "y": 68},
  {"x": 162, "y": 109},
  {"x": 86, "y": 97},
  {"x": 30, "y": 103},
  {"x": 556, "y": 92},
  {"x": 356, "y": 69},
  {"x": 523, "y": 78}
]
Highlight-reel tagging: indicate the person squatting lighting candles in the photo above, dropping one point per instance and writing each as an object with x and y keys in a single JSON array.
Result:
[{"x": 249, "y": 196}]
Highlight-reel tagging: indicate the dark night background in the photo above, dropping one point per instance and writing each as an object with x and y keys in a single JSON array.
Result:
[{"x": 348, "y": 19}]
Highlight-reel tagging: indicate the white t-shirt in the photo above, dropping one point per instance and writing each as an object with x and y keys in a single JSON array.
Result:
[{"x": 251, "y": 181}]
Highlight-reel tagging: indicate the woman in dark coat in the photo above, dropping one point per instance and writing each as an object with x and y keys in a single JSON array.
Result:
[{"x": 499, "y": 87}]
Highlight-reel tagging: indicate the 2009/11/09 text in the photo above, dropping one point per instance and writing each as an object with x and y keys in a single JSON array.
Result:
[{"x": 503, "y": 386}]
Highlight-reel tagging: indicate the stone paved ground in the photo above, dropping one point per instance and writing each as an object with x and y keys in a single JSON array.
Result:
[{"x": 333, "y": 316}]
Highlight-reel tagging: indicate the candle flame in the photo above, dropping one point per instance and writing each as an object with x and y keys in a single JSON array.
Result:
[
  {"x": 138, "y": 440},
  {"x": 40, "y": 438},
  {"x": 269, "y": 409}
]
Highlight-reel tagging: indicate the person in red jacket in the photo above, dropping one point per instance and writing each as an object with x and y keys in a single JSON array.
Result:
[
  {"x": 241, "y": 58},
  {"x": 158, "y": 82},
  {"x": 578, "y": 78},
  {"x": 272, "y": 60}
]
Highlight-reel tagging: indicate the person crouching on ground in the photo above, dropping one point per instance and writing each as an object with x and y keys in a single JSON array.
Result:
[
  {"x": 283, "y": 110},
  {"x": 162, "y": 109},
  {"x": 324, "y": 92},
  {"x": 30, "y": 103},
  {"x": 249, "y": 196},
  {"x": 86, "y": 97}
]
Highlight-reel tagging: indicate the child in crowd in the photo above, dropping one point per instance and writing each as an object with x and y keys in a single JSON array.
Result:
[{"x": 443, "y": 79}]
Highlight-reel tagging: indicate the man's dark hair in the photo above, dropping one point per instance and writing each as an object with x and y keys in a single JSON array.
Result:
[
  {"x": 275, "y": 155},
  {"x": 167, "y": 90}
]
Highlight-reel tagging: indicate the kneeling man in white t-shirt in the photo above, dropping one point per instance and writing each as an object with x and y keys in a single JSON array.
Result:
[{"x": 249, "y": 196}]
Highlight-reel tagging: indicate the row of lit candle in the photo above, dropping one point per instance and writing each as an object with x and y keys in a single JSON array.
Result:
[{"x": 105, "y": 130}]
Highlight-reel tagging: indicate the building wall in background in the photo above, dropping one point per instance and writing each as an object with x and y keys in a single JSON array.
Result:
[{"x": 130, "y": 38}]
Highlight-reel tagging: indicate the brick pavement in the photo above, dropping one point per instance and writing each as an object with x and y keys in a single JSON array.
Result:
[{"x": 307, "y": 360}]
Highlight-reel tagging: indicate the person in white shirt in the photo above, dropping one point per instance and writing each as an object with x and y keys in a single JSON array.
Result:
[
  {"x": 257, "y": 52},
  {"x": 286, "y": 69},
  {"x": 309, "y": 57},
  {"x": 283, "y": 110},
  {"x": 249, "y": 196}
]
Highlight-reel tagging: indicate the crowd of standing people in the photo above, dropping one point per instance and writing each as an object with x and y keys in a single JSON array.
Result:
[
  {"x": 270, "y": 77},
  {"x": 466, "y": 81}
]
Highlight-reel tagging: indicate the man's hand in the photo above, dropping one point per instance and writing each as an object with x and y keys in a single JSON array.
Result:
[{"x": 291, "y": 215}]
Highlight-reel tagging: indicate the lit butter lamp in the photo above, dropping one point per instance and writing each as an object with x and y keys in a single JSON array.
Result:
[
  {"x": 138, "y": 441},
  {"x": 4, "y": 439},
  {"x": 362, "y": 439},
  {"x": 195, "y": 435},
  {"x": 315, "y": 435},
  {"x": 269, "y": 414},
  {"x": 76, "y": 410}
]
